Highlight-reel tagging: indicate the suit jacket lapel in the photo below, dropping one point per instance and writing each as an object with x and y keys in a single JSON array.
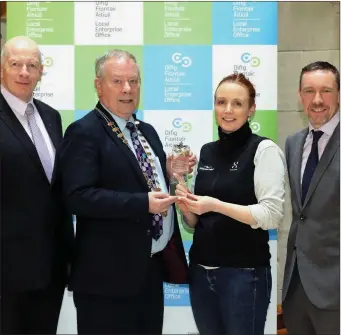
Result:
[
  {"x": 297, "y": 163},
  {"x": 13, "y": 123},
  {"x": 326, "y": 158},
  {"x": 122, "y": 146}
]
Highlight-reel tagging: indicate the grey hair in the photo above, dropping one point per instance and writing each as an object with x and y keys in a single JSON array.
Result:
[
  {"x": 4, "y": 54},
  {"x": 116, "y": 53}
]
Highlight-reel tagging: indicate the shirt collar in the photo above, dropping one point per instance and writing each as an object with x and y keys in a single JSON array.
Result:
[
  {"x": 329, "y": 127},
  {"x": 122, "y": 123},
  {"x": 15, "y": 103}
]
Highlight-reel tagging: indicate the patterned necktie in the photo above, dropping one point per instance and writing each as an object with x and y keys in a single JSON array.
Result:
[
  {"x": 312, "y": 162},
  {"x": 148, "y": 171},
  {"x": 39, "y": 142}
]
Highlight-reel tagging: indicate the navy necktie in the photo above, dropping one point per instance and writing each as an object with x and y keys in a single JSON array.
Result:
[{"x": 312, "y": 162}]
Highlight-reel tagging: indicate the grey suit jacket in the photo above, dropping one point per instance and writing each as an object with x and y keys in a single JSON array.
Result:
[{"x": 314, "y": 237}]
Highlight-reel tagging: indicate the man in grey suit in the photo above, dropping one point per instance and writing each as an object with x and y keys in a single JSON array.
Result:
[{"x": 311, "y": 286}]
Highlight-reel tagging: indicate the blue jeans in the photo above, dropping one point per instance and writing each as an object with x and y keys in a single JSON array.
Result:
[{"x": 230, "y": 301}]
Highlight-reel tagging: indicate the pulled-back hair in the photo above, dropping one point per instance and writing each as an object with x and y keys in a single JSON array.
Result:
[{"x": 240, "y": 79}]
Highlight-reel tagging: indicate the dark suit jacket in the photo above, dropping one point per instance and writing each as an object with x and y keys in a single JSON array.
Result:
[
  {"x": 36, "y": 231},
  {"x": 105, "y": 188},
  {"x": 314, "y": 237}
]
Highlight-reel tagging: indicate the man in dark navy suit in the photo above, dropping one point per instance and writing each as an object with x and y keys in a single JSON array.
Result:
[
  {"x": 115, "y": 179},
  {"x": 36, "y": 230}
]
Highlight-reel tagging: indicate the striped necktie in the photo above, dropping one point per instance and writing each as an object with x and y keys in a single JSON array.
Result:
[{"x": 142, "y": 158}]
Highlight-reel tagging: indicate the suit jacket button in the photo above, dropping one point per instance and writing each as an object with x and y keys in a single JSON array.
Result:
[
  {"x": 148, "y": 232},
  {"x": 302, "y": 217}
]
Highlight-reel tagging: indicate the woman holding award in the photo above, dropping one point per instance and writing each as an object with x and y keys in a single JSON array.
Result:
[{"x": 238, "y": 194}]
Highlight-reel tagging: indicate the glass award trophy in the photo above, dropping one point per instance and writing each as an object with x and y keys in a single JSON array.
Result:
[{"x": 179, "y": 164}]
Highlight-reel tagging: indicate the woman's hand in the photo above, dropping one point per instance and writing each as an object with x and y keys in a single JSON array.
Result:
[
  {"x": 199, "y": 204},
  {"x": 181, "y": 191}
]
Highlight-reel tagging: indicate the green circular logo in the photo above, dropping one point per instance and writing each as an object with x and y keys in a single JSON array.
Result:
[
  {"x": 48, "y": 61},
  {"x": 255, "y": 127}
]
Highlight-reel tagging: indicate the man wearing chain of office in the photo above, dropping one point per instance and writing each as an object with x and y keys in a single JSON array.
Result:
[{"x": 115, "y": 180}]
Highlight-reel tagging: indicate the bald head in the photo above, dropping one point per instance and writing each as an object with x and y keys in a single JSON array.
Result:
[
  {"x": 18, "y": 43},
  {"x": 21, "y": 67}
]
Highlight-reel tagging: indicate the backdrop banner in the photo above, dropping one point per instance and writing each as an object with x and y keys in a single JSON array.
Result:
[{"x": 184, "y": 49}]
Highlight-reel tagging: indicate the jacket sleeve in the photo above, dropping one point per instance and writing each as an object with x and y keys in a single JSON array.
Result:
[{"x": 80, "y": 171}]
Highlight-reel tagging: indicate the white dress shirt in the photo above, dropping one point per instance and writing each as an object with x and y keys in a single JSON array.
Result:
[
  {"x": 328, "y": 130},
  {"x": 19, "y": 108},
  {"x": 168, "y": 221}
]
